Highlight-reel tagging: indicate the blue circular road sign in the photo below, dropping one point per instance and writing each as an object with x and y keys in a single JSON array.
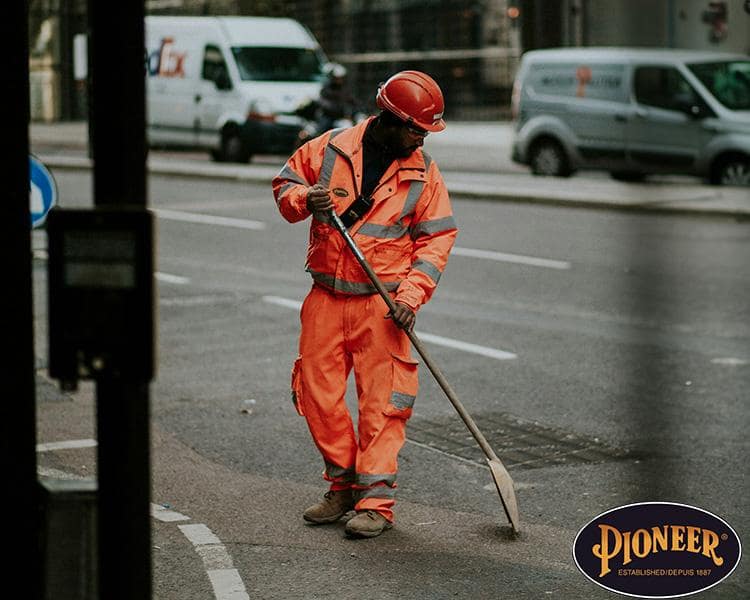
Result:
[{"x": 42, "y": 191}]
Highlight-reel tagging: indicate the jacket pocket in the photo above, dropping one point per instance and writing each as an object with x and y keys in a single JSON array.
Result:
[
  {"x": 389, "y": 258},
  {"x": 403, "y": 388},
  {"x": 297, "y": 386}
]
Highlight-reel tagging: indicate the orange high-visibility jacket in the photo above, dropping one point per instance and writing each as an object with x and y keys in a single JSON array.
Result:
[{"x": 406, "y": 236}]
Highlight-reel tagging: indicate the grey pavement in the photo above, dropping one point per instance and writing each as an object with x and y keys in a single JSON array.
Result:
[{"x": 475, "y": 159}]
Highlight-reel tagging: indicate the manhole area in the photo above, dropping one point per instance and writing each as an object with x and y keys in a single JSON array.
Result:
[{"x": 520, "y": 444}]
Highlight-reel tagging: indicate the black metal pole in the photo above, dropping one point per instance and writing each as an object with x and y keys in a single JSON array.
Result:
[
  {"x": 117, "y": 122},
  {"x": 117, "y": 111},
  {"x": 18, "y": 429}
]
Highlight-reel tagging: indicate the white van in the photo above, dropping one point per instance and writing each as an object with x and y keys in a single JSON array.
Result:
[
  {"x": 229, "y": 84},
  {"x": 634, "y": 112}
]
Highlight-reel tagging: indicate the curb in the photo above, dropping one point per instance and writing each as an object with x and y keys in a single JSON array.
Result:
[
  {"x": 265, "y": 174},
  {"x": 594, "y": 204}
]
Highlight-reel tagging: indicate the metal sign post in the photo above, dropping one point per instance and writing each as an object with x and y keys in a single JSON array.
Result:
[
  {"x": 117, "y": 121},
  {"x": 18, "y": 425}
]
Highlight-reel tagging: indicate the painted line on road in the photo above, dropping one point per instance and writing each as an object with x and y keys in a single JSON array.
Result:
[
  {"x": 188, "y": 217},
  {"x": 225, "y": 579},
  {"x": 466, "y": 347},
  {"x": 512, "y": 258},
  {"x": 730, "y": 361},
  {"x": 283, "y": 302},
  {"x": 162, "y": 513},
  {"x": 66, "y": 445},
  {"x": 437, "y": 340},
  {"x": 199, "y": 534},
  {"x": 169, "y": 278}
]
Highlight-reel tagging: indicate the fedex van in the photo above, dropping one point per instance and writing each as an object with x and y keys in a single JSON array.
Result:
[
  {"x": 634, "y": 112},
  {"x": 229, "y": 84}
]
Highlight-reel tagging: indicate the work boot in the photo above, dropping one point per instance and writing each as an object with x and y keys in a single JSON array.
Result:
[
  {"x": 368, "y": 524},
  {"x": 335, "y": 504}
]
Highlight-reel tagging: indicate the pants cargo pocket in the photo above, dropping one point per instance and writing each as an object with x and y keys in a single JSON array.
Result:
[
  {"x": 404, "y": 387},
  {"x": 297, "y": 386}
]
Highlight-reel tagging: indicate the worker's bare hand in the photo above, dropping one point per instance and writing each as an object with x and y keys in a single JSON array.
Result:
[
  {"x": 403, "y": 317},
  {"x": 319, "y": 199}
]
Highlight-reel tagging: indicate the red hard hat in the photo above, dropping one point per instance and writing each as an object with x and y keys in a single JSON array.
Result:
[{"x": 413, "y": 97}]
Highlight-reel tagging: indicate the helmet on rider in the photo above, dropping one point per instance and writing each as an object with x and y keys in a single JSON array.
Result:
[
  {"x": 415, "y": 98},
  {"x": 335, "y": 73}
]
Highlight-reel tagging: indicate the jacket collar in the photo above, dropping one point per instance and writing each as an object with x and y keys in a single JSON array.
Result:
[{"x": 349, "y": 143}]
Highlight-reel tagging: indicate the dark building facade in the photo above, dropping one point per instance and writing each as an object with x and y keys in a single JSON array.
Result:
[{"x": 472, "y": 47}]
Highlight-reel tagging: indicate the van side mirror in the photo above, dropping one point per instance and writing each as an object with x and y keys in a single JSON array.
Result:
[
  {"x": 222, "y": 81},
  {"x": 693, "y": 109},
  {"x": 696, "y": 111}
]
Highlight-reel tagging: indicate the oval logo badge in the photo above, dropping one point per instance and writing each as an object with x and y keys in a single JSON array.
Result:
[
  {"x": 340, "y": 192},
  {"x": 657, "y": 550}
]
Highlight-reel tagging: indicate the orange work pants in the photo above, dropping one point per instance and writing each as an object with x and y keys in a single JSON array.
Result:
[{"x": 341, "y": 332}]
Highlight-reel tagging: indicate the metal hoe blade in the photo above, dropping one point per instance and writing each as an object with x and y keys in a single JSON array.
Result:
[{"x": 504, "y": 485}]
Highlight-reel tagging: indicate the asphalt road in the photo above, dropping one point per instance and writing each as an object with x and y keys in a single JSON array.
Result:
[{"x": 625, "y": 379}]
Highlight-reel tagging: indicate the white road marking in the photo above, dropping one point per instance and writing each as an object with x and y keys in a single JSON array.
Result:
[
  {"x": 512, "y": 258},
  {"x": 283, "y": 302},
  {"x": 193, "y": 300},
  {"x": 227, "y": 585},
  {"x": 187, "y": 217},
  {"x": 199, "y": 534},
  {"x": 467, "y": 347},
  {"x": 730, "y": 361},
  {"x": 168, "y": 278},
  {"x": 225, "y": 579},
  {"x": 167, "y": 516},
  {"x": 426, "y": 337},
  {"x": 66, "y": 445}
]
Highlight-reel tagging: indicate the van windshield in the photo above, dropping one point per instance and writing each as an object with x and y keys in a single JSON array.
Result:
[
  {"x": 278, "y": 64},
  {"x": 728, "y": 81}
]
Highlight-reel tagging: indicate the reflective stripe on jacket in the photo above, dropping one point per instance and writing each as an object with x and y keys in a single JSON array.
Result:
[{"x": 406, "y": 236}]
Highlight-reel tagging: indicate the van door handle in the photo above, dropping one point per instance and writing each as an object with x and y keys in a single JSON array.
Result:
[
  {"x": 621, "y": 118},
  {"x": 198, "y": 98}
]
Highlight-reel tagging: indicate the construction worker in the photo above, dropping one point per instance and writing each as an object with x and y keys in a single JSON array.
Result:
[{"x": 392, "y": 198}]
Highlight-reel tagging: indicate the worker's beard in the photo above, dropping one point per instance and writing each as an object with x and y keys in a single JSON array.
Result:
[
  {"x": 394, "y": 142},
  {"x": 404, "y": 151}
]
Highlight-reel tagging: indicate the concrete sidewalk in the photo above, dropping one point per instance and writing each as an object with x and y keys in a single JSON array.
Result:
[{"x": 64, "y": 146}]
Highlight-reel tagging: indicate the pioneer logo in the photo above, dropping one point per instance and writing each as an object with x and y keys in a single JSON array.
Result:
[{"x": 657, "y": 550}]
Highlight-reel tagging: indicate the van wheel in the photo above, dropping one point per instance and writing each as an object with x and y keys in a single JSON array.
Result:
[
  {"x": 233, "y": 148},
  {"x": 733, "y": 170},
  {"x": 548, "y": 158}
]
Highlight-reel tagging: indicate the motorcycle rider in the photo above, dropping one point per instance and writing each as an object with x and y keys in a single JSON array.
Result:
[{"x": 336, "y": 100}]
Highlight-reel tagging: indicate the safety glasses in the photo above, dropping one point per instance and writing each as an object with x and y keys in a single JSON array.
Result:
[{"x": 423, "y": 133}]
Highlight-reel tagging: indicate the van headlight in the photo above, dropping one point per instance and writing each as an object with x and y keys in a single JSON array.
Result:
[{"x": 261, "y": 110}]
